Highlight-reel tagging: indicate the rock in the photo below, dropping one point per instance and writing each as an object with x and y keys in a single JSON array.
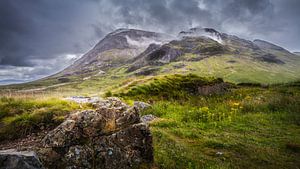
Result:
[
  {"x": 141, "y": 105},
  {"x": 148, "y": 118},
  {"x": 79, "y": 157},
  {"x": 125, "y": 149},
  {"x": 147, "y": 71},
  {"x": 13, "y": 159},
  {"x": 111, "y": 102},
  {"x": 112, "y": 136},
  {"x": 63, "y": 135},
  {"x": 218, "y": 88},
  {"x": 83, "y": 99}
]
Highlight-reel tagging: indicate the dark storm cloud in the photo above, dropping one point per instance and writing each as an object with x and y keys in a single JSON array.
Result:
[
  {"x": 41, "y": 29},
  {"x": 38, "y": 38}
]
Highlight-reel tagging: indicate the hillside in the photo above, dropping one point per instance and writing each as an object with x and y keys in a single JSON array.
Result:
[{"x": 128, "y": 55}]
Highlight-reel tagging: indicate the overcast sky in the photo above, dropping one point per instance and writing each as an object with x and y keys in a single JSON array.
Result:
[{"x": 41, "y": 37}]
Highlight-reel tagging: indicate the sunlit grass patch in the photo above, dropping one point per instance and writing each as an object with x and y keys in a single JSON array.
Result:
[
  {"x": 249, "y": 127},
  {"x": 20, "y": 117}
]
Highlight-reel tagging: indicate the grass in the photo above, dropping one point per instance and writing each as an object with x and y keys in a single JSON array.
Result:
[
  {"x": 249, "y": 127},
  {"x": 19, "y": 117},
  {"x": 170, "y": 86}
]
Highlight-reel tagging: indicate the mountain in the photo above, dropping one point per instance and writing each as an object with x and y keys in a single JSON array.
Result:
[
  {"x": 115, "y": 50},
  {"x": 297, "y": 53},
  {"x": 128, "y": 56},
  {"x": 10, "y": 81}
]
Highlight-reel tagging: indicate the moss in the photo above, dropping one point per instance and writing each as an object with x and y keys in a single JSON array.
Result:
[{"x": 170, "y": 87}]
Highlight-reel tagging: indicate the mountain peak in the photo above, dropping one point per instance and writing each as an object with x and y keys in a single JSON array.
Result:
[
  {"x": 206, "y": 32},
  {"x": 117, "y": 31}
]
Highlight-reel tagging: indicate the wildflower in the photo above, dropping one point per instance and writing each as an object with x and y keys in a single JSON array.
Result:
[
  {"x": 236, "y": 104},
  {"x": 248, "y": 97},
  {"x": 204, "y": 109}
]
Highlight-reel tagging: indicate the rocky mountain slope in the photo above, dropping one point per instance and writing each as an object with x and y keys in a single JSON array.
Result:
[
  {"x": 128, "y": 56},
  {"x": 143, "y": 52},
  {"x": 116, "y": 49}
]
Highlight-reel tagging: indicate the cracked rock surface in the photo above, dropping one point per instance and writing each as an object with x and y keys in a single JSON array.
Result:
[{"x": 111, "y": 136}]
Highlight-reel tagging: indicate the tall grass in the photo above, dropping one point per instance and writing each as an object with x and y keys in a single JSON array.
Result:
[
  {"x": 19, "y": 117},
  {"x": 247, "y": 127}
]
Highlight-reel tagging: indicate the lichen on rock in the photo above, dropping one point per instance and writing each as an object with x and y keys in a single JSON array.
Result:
[{"x": 112, "y": 136}]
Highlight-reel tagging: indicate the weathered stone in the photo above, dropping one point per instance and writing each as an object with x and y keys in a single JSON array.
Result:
[
  {"x": 79, "y": 157},
  {"x": 51, "y": 157},
  {"x": 148, "y": 118},
  {"x": 141, "y": 105},
  {"x": 111, "y": 102},
  {"x": 127, "y": 148},
  {"x": 111, "y": 136},
  {"x": 12, "y": 159},
  {"x": 63, "y": 135},
  {"x": 129, "y": 117},
  {"x": 213, "y": 89}
]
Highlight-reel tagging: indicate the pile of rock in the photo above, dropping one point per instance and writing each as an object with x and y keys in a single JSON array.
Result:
[{"x": 112, "y": 136}]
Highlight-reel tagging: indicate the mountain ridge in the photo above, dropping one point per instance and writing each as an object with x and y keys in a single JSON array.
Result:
[
  {"x": 123, "y": 45},
  {"x": 136, "y": 54}
]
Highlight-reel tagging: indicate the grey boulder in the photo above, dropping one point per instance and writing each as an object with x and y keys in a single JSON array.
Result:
[{"x": 13, "y": 159}]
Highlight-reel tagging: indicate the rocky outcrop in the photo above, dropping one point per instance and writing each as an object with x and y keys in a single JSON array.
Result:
[
  {"x": 112, "y": 136},
  {"x": 270, "y": 58},
  {"x": 218, "y": 88},
  {"x": 148, "y": 118},
  {"x": 13, "y": 159}
]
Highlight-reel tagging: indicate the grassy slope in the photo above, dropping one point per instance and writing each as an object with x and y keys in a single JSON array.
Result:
[
  {"x": 249, "y": 127},
  {"x": 22, "y": 116},
  {"x": 244, "y": 69}
]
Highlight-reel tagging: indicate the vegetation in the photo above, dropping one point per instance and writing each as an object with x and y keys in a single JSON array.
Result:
[
  {"x": 19, "y": 117},
  {"x": 169, "y": 87},
  {"x": 249, "y": 127}
]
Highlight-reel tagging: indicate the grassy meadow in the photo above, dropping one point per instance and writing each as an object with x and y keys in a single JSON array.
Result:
[{"x": 248, "y": 126}]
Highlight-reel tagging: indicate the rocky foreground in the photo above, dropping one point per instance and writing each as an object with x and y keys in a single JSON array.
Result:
[{"x": 112, "y": 136}]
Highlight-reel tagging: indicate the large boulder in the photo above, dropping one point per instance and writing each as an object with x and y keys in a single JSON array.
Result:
[
  {"x": 112, "y": 136},
  {"x": 13, "y": 159}
]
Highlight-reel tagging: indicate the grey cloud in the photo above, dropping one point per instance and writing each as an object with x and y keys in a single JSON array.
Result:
[
  {"x": 41, "y": 29},
  {"x": 46, "y": 30}
]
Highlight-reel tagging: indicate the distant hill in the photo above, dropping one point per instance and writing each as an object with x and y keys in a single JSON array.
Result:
[{"x": 10, "y": 81}]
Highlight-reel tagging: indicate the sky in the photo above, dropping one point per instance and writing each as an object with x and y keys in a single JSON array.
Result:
[{"x": 39, "y": 38}]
